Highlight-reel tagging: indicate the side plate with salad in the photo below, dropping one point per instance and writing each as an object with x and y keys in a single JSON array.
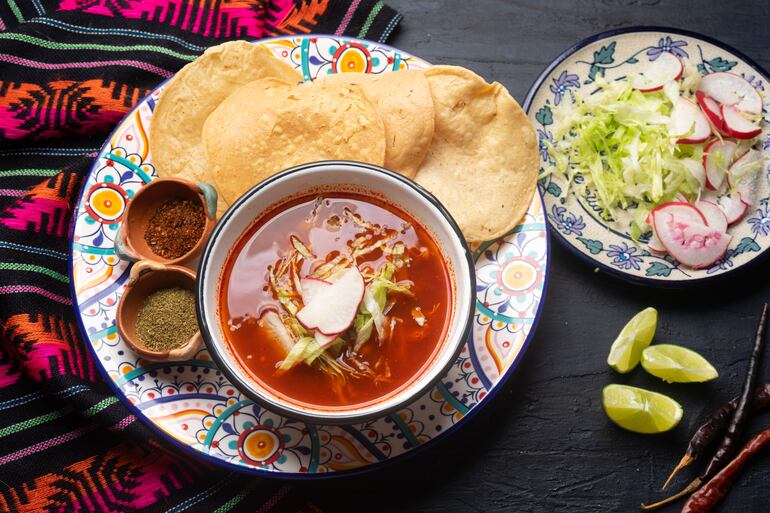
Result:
[{"x": 655, "y": 150}]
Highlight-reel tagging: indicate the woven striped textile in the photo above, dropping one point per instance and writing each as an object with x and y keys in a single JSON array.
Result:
[{"x": 69, "y": 71}]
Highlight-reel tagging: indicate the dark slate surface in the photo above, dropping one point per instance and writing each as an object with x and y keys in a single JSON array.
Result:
[{"x": 543, "y": 444}]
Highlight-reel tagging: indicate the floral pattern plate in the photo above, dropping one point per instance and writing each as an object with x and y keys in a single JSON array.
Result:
[
  {"x": 614, "y": 55},
  {"x": 192, "y": 404}
]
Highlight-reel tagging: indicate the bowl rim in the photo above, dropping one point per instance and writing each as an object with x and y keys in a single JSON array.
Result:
[{"x": 464, "y": 319}]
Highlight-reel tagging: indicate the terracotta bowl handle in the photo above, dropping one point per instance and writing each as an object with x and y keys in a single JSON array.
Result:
[
  {"x": 141, "y": 267},
  {"x": 209, "y": 194},
  {"x": 122, "y": 248},
  {"x": 187, "y": 351}
]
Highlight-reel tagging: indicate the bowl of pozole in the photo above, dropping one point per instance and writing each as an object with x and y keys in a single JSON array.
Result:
[{"x": 335, "y": 292}]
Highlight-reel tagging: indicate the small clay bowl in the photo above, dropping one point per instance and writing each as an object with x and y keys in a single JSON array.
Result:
[
  {"x": 145, "y": 278},
  {"x": 130, "y": 243}
]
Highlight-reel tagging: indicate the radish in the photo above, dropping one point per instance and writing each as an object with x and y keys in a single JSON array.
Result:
[
  {"x": 733, "y": 207},
  {"x": 692, "y": 244},
  {"x": 688, "y": 121},
  {"x": 272, "y": 323},
  {"x": 715, "y": 218},
  {"x": 310, "y": 286},
  {"x": 664, "y": 69},
  {"x": 712, "y": 110},
  {"x": 730, "y": 89},
  {"x": 654, "y": 244},
  {"x": 325, "y": 340},
  {"x": 743, "y": 175},
  {"x": 717, "y": 157},
  {"x": 332, "y": 309},
  {"x": 738, "y": 126},
  {"x": 681, "y": 210}
]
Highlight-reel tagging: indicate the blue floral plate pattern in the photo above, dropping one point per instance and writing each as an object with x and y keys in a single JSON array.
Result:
[{"x": 614, "y": 56}]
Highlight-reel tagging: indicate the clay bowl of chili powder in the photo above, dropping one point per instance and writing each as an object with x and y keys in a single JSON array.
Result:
[
  {"x": 156, "y": 314},
  {"x": 168, "y": 221}
]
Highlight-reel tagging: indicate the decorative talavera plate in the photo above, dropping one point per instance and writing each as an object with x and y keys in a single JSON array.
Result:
[
  {"x": 575, "y": 218},
  {"x": 192, "y": 403}
]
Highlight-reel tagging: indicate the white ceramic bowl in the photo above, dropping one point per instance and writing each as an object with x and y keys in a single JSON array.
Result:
[{"x": 330, "y": 176}]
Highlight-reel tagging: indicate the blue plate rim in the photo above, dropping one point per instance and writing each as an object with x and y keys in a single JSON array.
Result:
[
  {"x": 641, "y": 280},
  {"x": 298, "y": 476}
]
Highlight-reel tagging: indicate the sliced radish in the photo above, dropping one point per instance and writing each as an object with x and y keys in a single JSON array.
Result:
[
  {"x": 310, "y": 286},
  {"x": 717, "y": 158},
  {"x": 664, "y": 69},
  {"x": 715, "y": 218},
  {"x": 681, "y": 210},
  {"x": 730, "y": 89},
  {"x": 272, "y": 323},
  {"x": 743, "y": 175},
  {"x": 712, "y": 110},
  {"x": 325, "y": 340},
  {"x": 733, "y": 207},
  {"x": 688, "y": 121},
  {"x": 692, "y": 244},
  {"x": 332, "y": 309},
  {"x": 654, "y": 244},
  {"x": 738, "y": 126}
]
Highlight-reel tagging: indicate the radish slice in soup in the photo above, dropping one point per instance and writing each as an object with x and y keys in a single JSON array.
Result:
[
  {"x": 310, "y": 286},
  {"x": 692, "y": 244},
  {"x": 332, "y": 309},
  {"x": 271, "y": 322}
]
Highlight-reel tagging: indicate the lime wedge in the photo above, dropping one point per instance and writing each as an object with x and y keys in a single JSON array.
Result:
[
  {"x": 639, "y": 410},
  {"x": 676, "y": 364},
  {"x": 636, "y": 335}
]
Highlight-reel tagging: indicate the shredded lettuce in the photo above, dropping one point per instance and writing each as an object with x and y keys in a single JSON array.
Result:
[
  {"x": 618, "y": 141},
  {"x": 297, "y": 353},
  {"x": 339, "y": 359},
  {"x": 372, "y": 310},
  {"x": 363, "y": 325}
]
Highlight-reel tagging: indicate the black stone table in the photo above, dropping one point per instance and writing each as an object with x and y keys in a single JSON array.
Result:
[{"x": 544, "y": 444}]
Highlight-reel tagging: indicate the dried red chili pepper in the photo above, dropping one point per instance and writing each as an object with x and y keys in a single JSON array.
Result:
[
  {"x": 732, "y": 436},
  {"x": 712, "y": 493},
  {"x": 715, "y": 425}
]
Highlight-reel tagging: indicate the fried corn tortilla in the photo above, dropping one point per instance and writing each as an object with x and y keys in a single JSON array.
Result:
[
  {"x": 250, "y": 137},
  {"x": 194, "y": 92},
  {"x": 252, "y": 108},
  {"x": 482, "y": 163},
  {"x": 405, "y": 104}
]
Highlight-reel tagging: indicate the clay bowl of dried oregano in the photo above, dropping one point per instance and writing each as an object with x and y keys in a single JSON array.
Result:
[
  {"x": 156, "y": 314},
  {"x": 168, "y": 221}
]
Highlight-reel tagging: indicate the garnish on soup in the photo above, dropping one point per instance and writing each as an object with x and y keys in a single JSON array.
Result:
[{"x": 335, "y": 300}]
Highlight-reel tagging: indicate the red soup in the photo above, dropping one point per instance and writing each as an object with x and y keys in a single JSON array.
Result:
[{"x": 335, "y": 300}]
